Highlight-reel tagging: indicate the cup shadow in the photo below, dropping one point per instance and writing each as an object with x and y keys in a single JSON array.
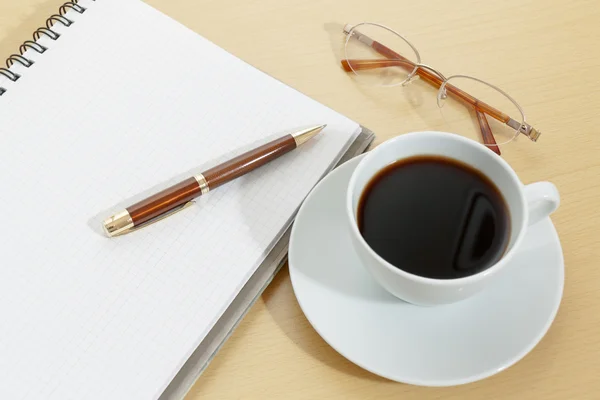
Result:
[{"x": 297, "y": 328}]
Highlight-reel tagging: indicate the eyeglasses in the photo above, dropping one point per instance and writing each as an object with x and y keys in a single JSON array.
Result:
[{"x": 381, "y": 56}]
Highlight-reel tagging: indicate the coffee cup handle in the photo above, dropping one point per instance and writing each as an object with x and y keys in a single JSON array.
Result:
[{"x": 542, "y": 200}]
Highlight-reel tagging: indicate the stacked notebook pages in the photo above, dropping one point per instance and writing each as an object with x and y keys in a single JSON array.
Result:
[{"x": 90, "y": 122}]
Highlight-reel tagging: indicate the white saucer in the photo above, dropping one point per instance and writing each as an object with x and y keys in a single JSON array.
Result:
[{"x": 431, "y": 346}]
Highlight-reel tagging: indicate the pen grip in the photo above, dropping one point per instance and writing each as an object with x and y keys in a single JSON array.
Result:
[
  {"x": 163, "y": 201},
  {"x": 248, "y": 161}
]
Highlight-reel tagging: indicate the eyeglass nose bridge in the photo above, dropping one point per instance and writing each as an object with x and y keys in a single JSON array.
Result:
[{"x": 414, "y": 76}]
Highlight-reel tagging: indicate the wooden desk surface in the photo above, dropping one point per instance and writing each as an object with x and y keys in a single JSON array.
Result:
[{"x": 544, "y": 53}]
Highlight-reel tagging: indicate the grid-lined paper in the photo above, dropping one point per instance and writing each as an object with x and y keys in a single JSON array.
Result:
[{"x": 126, "y": 102}]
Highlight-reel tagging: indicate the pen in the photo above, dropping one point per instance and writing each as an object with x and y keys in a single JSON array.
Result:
[{"x": 181, "y": 195}]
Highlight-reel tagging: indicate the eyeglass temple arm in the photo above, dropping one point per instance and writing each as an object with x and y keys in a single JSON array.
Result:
[
  {"x": 431, "y": 78},
  {"x": 395, "y": 59},
  {"x": 364, "y": 65},
  {"x": 358, "y": 65},
  {"x": 486, "y": 132},
  {"x": 484, "y": 126}
]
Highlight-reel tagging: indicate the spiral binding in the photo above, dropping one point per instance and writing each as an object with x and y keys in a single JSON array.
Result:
[{"x": 34, "y": 45}]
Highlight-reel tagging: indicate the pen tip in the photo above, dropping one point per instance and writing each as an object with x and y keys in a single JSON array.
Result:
[{"x": 304, "y": 135}]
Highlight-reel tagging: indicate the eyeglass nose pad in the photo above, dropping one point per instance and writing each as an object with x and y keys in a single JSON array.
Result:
[
  {"x": 410, "y": 80},
  {"x": 441, "y": 97}
]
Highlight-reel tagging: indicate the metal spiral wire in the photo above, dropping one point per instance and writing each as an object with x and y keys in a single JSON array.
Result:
[{"x": 34, "y": 45}]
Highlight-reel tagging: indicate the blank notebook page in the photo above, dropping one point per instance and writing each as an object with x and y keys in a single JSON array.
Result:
[{"x": 126, "y": 102}]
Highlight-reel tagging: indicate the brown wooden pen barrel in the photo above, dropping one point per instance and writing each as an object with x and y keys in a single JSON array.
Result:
[
  {"x": 172, "y": 197},
  {"x": 248, "y": 161},
  {"x": 181, "y": 193}
]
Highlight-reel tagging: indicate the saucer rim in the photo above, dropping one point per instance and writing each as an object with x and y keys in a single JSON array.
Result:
[{"x": 351, "y": 163}]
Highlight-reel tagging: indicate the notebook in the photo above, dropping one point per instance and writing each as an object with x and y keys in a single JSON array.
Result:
[{"x": 116, "y": 102}]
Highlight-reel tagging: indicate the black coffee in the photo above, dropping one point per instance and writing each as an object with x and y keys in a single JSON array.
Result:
[{"x": 434, "y": 217}]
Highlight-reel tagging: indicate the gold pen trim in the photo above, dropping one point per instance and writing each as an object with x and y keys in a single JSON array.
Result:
[
  {"x": 118, "y": 224},
  {"x": 121, "y": 223},
  {"x": 203, "y": 183}
]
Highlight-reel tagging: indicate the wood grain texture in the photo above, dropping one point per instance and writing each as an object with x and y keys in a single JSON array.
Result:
[
  {"x": 163, "y": 201},
  {"x": 543, "y": 53},
  {"x": 248, "y": 161}
]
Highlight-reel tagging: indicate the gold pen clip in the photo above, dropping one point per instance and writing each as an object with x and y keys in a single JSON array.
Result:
[{"x": 112, "y": 228}]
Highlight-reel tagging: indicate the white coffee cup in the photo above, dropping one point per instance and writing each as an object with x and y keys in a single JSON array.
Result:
[{"x": 527, "y": 204}]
